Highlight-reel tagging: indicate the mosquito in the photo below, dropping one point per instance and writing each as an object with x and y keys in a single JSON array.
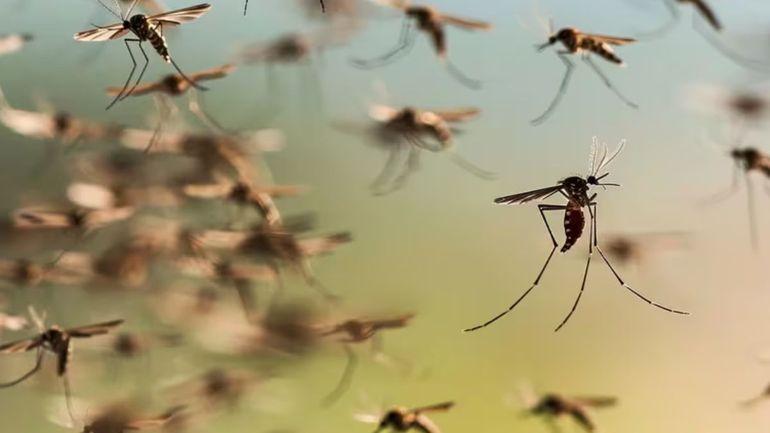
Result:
[
  {"x": 576, "y": 190},
  {"x": 359, "y": 330},
  {"x": 57, "y": 341},
  {"x": 176, "y": 85},
  {"x": 24, "y": 272},
  {"x": 636, "y": 248},
  {"x": 145, "y": 29},
  {"x": 215, "y": 388},
  {"x": 403, "y": 419},
  {"x": 700, "y": 6},
  {"x": 246, "y": 7},
  {"x": 12, "y": 43},
  {"x": 120, "y": 417},
  {"x": 431, "y": 21},
  {"x": 746, "y": 160},
  {"x": 584, "y": 44},
  {"x": 552, "y": 406},
  {"x": 430, "y": 130}
]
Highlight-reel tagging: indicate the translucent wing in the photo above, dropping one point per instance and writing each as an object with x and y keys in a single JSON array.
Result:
[
  {"x": 368, "y": 418},
  {"x": 382, "y": 113},
  {"x": 29, "y": 123},
  {"x": 393, "y": 322},
  {"x": 106, "y": 216},
  {"x": 213, "y": 73},
  {"x": 21, "y": 345},
  {"x": 181, "y": 16},
  {"x": 426, "y": 425},
  {"x": 595, "y": 401},
  {"x": 465, "y": 23},
  {"x": 95, "y": 329},
  {"x": 458, "y": 115},
  {"x": 612, "y": 40},
  {"x": 524, "y": 197},
  {"x": 12, "y": 43},
  {"x": 39, "y": 218},
  {"x": 142, "y": 89},
  {"x": 439, "y": 407},
  {"x": 114, "y": 31}
]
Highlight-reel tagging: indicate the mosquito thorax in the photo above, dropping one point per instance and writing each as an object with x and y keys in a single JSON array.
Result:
[
  {"x": 62, "y": 121},
  {"x": 77, "y": 218},
  {"x": 549, "y": 404},
  {"x": 137, "y": 21},
  {"x": 423, "y": 14},
  {"x": 173, "y": 83},
  {"x": 749, "y": 156},
  {"x": 127, "y": 344},
  {"x": 240, "y": 192}
]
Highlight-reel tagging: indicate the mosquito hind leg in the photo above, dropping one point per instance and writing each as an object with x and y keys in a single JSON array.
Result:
[
  {"x": 562, "y": 88},
  {"x": 345, "y": 379},
  {"x": 608, "y": 83},
  {"x": 27, "y": 375},
  {"x": 405, "y": 44},
  {"x": 542, "y": 208},
  {"x": 119, "y": 96},
  {"x": 620, "y": 280}
]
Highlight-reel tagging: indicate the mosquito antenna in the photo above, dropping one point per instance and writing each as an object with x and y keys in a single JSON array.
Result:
[
  {"x": 592, "y": 169},
  {"x": 131, "y": 8},
  {"x": 109, "y": 9},
  {"x": 607, "y": 160}
]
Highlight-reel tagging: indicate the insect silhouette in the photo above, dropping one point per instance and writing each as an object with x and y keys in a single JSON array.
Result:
[
  {"x": 637, "y": 248},
  {"x": 433, "y": 22},
  {"x": 576, "y": 190},
  {"x": 120, "y": 417},
  {"x": 553, "y": 406},
  {"x": 246, "y": 7},
  {"x": 12, "y": 43},
  {"x": 746, "y": 160},
  {"x": 584, "y": 44},
  {"x": 57, "y": 341},
  {"x": 358, "y": 330},
  {"x": 403, "y": 419},
  {"x": 145, "y": 29}
]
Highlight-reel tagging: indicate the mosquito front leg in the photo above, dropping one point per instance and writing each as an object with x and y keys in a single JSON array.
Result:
[
  {"x": 542, "y": 208},
  {"x": 607, "y": 82},
  {"x": 629, "y": 288},
  {"x": 130, "y": 76},
  {"x": 562, "y": 87}
]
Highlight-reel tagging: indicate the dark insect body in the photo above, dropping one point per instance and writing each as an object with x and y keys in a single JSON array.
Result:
[
  {"x": 402, "y": 419},
  {"x": 552, "y": 406},
  {"x": 576, "y": 190}
]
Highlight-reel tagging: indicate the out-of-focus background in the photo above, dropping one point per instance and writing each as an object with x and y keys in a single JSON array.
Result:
[{"x": 439, "y": 247}]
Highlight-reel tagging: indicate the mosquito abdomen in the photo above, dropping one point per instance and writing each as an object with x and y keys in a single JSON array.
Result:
[
  {"x": 574, "y": 222},
  {"x": 159, "y": 43}
]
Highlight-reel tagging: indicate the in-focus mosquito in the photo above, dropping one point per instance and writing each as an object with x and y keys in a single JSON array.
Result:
[
  {"x": 584, "y": 44},
  {"x": 57, "y": 341},
  {"x": 246, "y": 7},
  {"x": 576, "y": 190},
  {"x": 553, "y": 406},
  {"x": 403, "y": 419},
  {"x": 431, "y": 21},
  {"x": 746, "y": 160},
  {"x": 146, "y": 29},
  {"x": 176, "y": 85},
  {"x": 359, "y": 330}
]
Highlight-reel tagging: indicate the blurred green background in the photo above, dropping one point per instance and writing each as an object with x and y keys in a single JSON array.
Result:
[{"x": 439, "y": 247}]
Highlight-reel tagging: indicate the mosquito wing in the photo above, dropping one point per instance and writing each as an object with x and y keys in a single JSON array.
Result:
[
  {"x": 524, "y": 197},
  {"x": 612, "y": 40},
  {"x": 102, "y": 217},
  {"x": 393, "y": 322},
  {"x": 439, "y": 407},
  {"x": 458, "y": 115},
  {"x": 213, "y": 73},
  {"x": 382, "y": 113},
  {"x": 594, "y": 401},
  {"x": 95, "y": 329},
  {"x": 100, "y": 34},
  {"x": 368, "y": 418},
  {"x": 29, "y": 123},
  {"x": 465, "y": 23},
  {"x": 214, "y": 190},
  {"x": 21, "y": 345},
  {"x": 159, "y": 421},
  {"x": 142, "y": 89},
  {"x": 40, "y": 218},
  {"x": 180, "y": 16}
]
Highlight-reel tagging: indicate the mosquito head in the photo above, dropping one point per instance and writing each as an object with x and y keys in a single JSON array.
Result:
[
  {"x": 137, "y": 21},
  {"x": 596, "y": 180},
  {"x": 551, "y": 40}
]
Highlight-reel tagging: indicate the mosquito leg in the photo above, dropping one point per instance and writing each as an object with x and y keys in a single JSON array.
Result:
[
  {"x": 461, "y": 77},
  {"x": 412, "y": 165},
  {"x": 68, "y": 398},
  {"x": 312, "y": 281},
  {"x": 608, "y": 83},
  {"x": 723, "y": 195},
  {"x": 323, "y": 6},
  {"x": 196, "y": 107},
  {"x": 164, "y": 112},
  {"x": 623, "y": 283},
  {"x": 591, "y": 237},
  {"x": 752, "y": 213},
  {"x": 344, "y": 382},
  {"x": 245, "y": 7},
  {"x": 673, "y": 12},
  {"x": 27, "y": 375},
  {"x": 542, "y": 208},
  {"x": 387, "y": 171},
  {"x": 562, "y": 88},
  {"x": 405, "y": 43},
  {"x": 130, "y": 76},
  {"x": 471, "y": 168},
  {"x": 141, "y": 73}
]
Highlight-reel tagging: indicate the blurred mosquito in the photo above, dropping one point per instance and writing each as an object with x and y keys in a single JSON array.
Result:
[
  {"x": 129, "y": 345},
  {"x": 12, "y": 43},
  {"x": 276, "y": 246},
  {"x": 24, "y": 272},
  {"x": 58, "y": 342},
  {"x": 118, "y": 417},
  {"x": 175, "y": 85},
  {"x": 403, "y": 419},
  {"x": 746, "y": 160},
  {"x": 415, "y": 130},
  {"x": 214, "y": 388},
  {"x": 359, "y": 330},
  {"x": 145, "y": 29},
  {"x": 576, "y": 190},
  {"x": 703, "y": 9},
  {"x": 246, "y": 6},
  {"x": 89, "y": 195},
  {"x": 584, "y": 44},
  {"x": 246, "y": 194},
  {"x": 431, "y": 21},
  {"x": 553, "y": 406},
  {"x": 636, "y": 248}
]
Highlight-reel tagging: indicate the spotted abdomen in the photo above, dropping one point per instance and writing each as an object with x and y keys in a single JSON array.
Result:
[
  {"x": 602, "y": 49},
  {"x": 574, "y": 222},
  {"x": 159, "y": 43}
]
